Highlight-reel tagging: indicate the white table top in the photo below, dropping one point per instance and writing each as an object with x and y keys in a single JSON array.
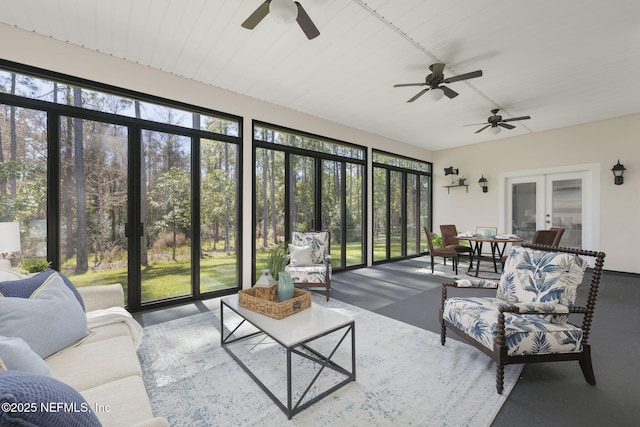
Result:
[{"x": 294, "y": 329}]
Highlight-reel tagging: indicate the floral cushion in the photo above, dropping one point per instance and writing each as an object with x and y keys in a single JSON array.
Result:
[
  {"x": 539, "y": 276},
  {"x": 318, "y": 240},
  {"x": 524, "y": 334},
  {"x": 308, "y": 274}
]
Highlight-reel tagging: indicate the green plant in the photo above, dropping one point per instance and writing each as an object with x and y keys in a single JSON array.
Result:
[
  {"x": 35, "y": 265},
  {"x": 436, "y": 240},
  {"x": 277, "y": 259}
]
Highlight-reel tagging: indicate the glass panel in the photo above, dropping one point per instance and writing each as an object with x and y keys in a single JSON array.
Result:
[
  {"x": 166, "y": 215},
  {"x": 307, "y": 142},
  {"x": 23, "y": 180},
  {"x": 302, "y": 196},
  {"x": 566, "y": 210},
  {"x": 93, "y": 201},
  {"x": 412, "y": 213},
  {"x": 46, "y": 90},
  {"x": 332, "y": 203},
  {"x": 355, "y": 214},
  {"x": 269, "y": 203},
  {"x": 395, "y": 213},
  {"x": 425, "y": 198},
  {"x": 524, "y": 210},
  {"x": 218, "y": 215},
  {"x": 380, "y": 204},
  {"x": 401, "y": 162}
]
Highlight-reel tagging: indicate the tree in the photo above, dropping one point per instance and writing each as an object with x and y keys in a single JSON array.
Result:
[{"x": 171, "y": 196}]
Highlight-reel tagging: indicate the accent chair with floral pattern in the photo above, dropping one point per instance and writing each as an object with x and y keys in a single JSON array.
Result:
[
  {"x": 309, "y": 260},
  {"x": 528, "y": 320}
]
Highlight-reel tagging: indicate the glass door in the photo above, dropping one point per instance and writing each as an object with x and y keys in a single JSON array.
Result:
[
  {"x": 93, "y": 202},
  {"x": 332, "y": 204},
  {"x": 544, "y": 201},
  {"x": 565, "y": 206},
  {"x": 165, "y": 227},
  {"x": 302, "y": 202}
]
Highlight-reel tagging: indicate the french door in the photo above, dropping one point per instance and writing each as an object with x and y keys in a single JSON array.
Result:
[{"x": 539, "y": 202}]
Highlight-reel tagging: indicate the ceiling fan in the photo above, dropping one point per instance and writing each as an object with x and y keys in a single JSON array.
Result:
[
  {"x": 436, "y": 79},
  {"x": 496, "y": 120},
  {"x": 283, "y": 11}
]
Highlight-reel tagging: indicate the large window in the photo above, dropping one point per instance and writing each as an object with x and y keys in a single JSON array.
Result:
[
  {"x": 401, "y": 206},
  {"x": 112, "y": 186},
  {"x": 306, "y": 183}
]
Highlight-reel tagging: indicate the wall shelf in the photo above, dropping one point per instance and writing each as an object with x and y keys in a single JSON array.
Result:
[{"x": 449, "y": 187}]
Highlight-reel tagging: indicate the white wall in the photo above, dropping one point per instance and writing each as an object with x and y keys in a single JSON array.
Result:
[{"x": 602, "y": 142}]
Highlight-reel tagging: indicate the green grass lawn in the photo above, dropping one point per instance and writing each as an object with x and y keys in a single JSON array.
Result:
[{"x": 165, "y": 278}]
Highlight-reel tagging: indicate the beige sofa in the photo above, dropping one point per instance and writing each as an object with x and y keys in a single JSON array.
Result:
[{"x": 104, "y": 366}]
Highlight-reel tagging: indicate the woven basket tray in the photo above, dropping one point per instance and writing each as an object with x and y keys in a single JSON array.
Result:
[{"x": 278, "y": 310}]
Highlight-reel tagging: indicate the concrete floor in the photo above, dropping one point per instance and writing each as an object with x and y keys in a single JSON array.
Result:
[{"x": 549, "y": 394}]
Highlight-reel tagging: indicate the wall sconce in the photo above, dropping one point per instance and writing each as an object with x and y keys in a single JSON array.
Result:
[
  {"x": 10, "y": 232},
  {"x": 618, "y": 170},
  {"x": 483, "y": 183},
  {"x": 450, "y": 171}
]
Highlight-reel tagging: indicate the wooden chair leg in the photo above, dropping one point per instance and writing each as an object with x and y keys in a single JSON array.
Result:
[
  {"x": 328, "y": 290},
  {"x": 585, "y": 365},
  {"x": 500, "y": 377},
  {"x": 431, "y": 263}
]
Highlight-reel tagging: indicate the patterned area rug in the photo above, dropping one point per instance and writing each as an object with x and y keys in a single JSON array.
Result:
[{"x": 403, "y": 377}]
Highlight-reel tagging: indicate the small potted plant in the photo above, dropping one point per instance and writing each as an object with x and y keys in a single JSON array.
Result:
[{"x": 461, "y": 180}]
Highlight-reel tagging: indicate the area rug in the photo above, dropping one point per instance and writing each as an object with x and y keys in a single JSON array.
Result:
[{"x": 403, "y": 377}]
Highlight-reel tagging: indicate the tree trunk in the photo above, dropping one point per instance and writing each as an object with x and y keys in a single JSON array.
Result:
[
  {"x": 82, "y": 255},
  {"x": 265, "y": 199}
]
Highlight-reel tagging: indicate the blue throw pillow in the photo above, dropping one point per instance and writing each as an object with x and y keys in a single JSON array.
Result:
[
  {"x": 49, "y": 321},
  {"x": 25, "y": 287},
  {"x": 16, "y": 355},
  {"x": 36, "y": 400}
]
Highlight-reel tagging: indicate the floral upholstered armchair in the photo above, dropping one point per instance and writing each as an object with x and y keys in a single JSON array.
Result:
[
  {"x": 528, "y": 320},
  {"x": 309, "y": 261}
]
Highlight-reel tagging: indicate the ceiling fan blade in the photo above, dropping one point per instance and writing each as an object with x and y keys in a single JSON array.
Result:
[
  {"x": 475, "y": 124},
  {"x": 309, "y": 28},
  {"x": 257, "y": 16},
  {"x": 506, "y": 126},
  {"x": 465, "y": 76},
  {"x": 517, "y": 118},
  {"x": 481, "y": 129},
  {"x": 436, "y": 70},
  {"x": 450, "y": 93},
  {"x": 419, "y": 94},
  {"x": 409, "y": 84}
]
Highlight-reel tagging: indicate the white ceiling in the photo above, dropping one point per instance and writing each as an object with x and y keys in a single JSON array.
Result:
[{"x": 561, "y": 62}]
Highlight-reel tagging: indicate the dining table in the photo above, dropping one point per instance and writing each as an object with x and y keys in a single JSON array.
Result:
[{"x": 498, "y": 244}]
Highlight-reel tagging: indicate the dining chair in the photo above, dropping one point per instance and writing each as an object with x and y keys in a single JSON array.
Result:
[
  {"x": 449, "y": 233},
  {"x": 532, "y": 317},
  {"x": 442, "y": 252},
  {"x": 550, "y": 237},
  {"x": 559, "y": 232}
]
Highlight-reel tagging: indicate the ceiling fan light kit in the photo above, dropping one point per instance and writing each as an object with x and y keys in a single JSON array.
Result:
[
  {"x": 436, "y": 94},
  {"x": 283, "y": 11}
]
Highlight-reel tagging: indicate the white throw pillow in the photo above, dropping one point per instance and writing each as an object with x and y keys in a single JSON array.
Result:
[
  {"x": 49, "y": 321},
  {"x": 16, "y": 355},
  {"x": 300, "y": 255}
]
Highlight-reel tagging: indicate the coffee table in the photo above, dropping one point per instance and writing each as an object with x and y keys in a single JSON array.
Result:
[{"x": 295, "y": 333}]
